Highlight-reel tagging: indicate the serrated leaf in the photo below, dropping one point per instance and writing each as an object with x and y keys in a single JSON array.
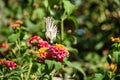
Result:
[
  {"x": 13, "y": 37},
  {"x": 69, "y": 7}
]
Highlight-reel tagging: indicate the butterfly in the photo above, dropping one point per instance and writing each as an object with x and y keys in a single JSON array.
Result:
[{"x": 51, "y": 29}]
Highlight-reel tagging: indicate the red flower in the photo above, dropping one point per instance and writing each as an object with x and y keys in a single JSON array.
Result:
[{"x": 10, "y": 64}]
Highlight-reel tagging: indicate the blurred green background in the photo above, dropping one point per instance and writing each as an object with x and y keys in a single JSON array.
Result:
[{"x": 87, "y": 29}]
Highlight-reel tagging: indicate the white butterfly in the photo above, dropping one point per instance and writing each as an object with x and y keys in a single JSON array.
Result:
[{"x": 51, "y": 29}]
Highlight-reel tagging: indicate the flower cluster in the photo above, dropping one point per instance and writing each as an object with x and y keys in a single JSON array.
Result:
[
  {"x": 9, "y": 64},
  {"x": 35, "y": 40},
  {"x": 43, "y": 44},
  {"x": 5, "y": 46},
  {"x": 115, "y": 39},
  {"x": 58, "y": 51},
  {"x": 46, "y": 51},
  {"x": 1, "y": 61},
  {"x": 17, "y": 24}
]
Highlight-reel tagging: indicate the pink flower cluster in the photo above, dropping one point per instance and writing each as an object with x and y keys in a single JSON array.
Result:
[
  {"x": 46, "y": 51},
  {"x": 58, "y": 52},
  {"x": 35, "y": 39},
  {"x": 8, "y": 63},
  {"x": 43, "y": 44}
]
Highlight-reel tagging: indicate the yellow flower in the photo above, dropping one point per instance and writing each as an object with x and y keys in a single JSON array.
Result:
[{"x": 42, "y": 52}]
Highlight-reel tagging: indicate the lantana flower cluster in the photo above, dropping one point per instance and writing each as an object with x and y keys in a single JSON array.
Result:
[
  {"x": 46, "y": 51},
  {"x": 4, "y": 46},
  {"x": 113, "y": 39},
  {"x": 17, "y": 24},
  {"x": 8, "y": 63}
]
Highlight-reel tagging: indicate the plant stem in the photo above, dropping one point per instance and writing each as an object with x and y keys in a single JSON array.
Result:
[
  {"x": 62, "y": 29},
  {"x": 29, "y": 70}
]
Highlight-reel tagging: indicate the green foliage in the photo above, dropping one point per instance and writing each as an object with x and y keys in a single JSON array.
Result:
[
  {"x": 69, "y": 9},
  {"x": 13, "y": 37},
  {"x": 52, "y": 65},
  {"x": 84, "y": 26},
  {"x": 98, "y": 77}
]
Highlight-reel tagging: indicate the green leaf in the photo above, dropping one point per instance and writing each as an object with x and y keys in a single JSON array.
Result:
[
  {"x": 73, "y": 39},
  {"x": 99, "y": 45},
  {"x": 13, "y": 37},
  {"x": 38, "y": 13},
  {"x": 45, "y": 2},
  {"x": 116, "y": 55},
  {"x": 75, "y": 66},
  {"x": 98, "y": 77},
  {"x": 30, "y": 25},
  {"x": 79, "y": 68},
  {"x": 68, "y": 63},
  {"x": 14, "y": 78},
  {"x": 110, "y": 74},
  {"x": 69, "y": 7},
  {"x": 34, "y": 68},
  {"x": 74, "y": 21},
  {"x": 2, "y": 49},
  {"x": 57, "y": 65},
  {"x": 73, "y": 50},
  {"x": 18, "y": 70},
  {"x": 109, "y": 59},
  {"x": 49, "y": 64}
]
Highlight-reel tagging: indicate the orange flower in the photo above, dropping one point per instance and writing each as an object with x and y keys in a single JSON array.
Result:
[
  {"x": 42, "y": 52},
  {"x": 115, "y": 39},
  {"x": 112, "y": 67},
  {"x": 17, "y": 24},
  {"x": 1, "y": 61},
  {"x": 4, "y": 45}
]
